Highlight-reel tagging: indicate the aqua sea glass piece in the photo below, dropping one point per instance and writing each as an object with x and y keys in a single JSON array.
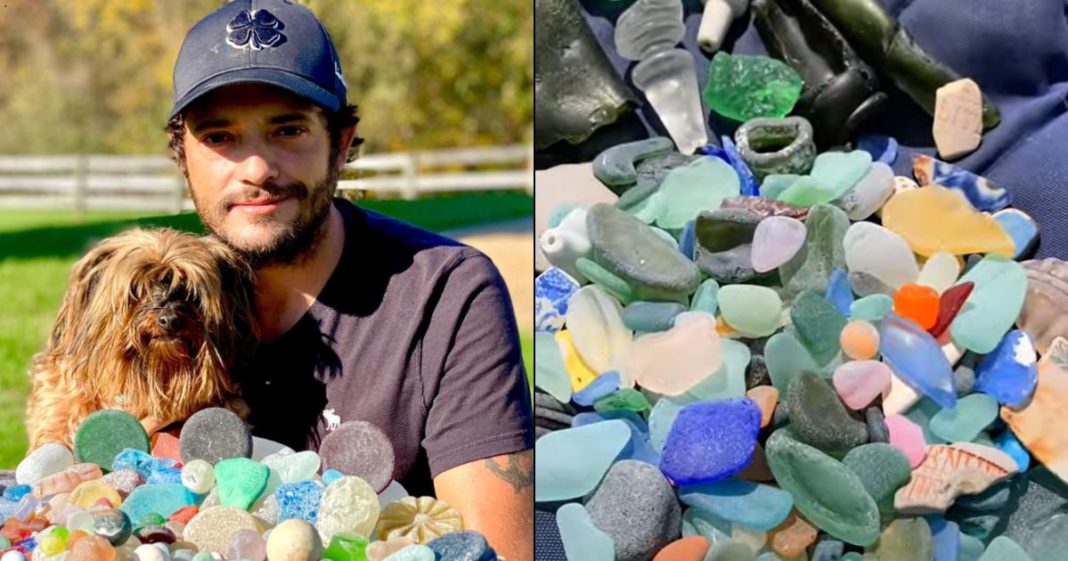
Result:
[
  {"x": 569, "y": 463},
  {"x": 581, "y": 539},
  {"x": 964, "y": 422},
  {"x": 757, "y": 506},
  {"x": 871, "y": 308},
  {"x": 993, "y": 306}
]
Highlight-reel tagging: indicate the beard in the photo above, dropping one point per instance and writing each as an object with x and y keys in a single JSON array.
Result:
[{"x": 291, "y": 243}]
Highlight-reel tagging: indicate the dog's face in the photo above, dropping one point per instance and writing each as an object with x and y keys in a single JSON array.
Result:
[{"x": 157, "y": 316}]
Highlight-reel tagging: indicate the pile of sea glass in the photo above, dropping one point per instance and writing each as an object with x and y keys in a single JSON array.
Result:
[
  {"x": 215, "y": 492},
  {"x": 765, "y": 351}
]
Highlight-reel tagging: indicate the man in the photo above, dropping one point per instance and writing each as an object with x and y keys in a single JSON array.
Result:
[{"x": 361, "y": 317}]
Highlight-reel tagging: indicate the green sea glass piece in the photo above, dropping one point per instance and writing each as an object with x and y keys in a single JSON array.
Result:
[
  {"x": 825, "y": 491},
  {"x": 626, "y": 399},
  {"x": 1002, "y": 548},
  {"x": 706, "y": 299},
  {"x": 822, "y": 253},
  {"x": 615, "y": 167},
  {"x": 609, "y": 281},
  {"x": 649, "y": 317},
  {"x": 106, "y": 433},
  {"x": 807, "y": 191},
  {"x": 818, "y": 325},
  {"x": 776, "y": 184},
  {"x": 840, "y": 171},
  {"x": 882, "y": 469},
  {"x": 700, "y": 185},
  {"x": 346, "y": 546},
  {"x": 744, "y": 87},
  {"x": 786, "y": 358},
  {"x": 240, "y": 481},
  {"x": 752, "y": 310},
  {"x": 906, "y": 539},
  {"x": 634, "y": 252},
  {"x": 818, "y": 418}
]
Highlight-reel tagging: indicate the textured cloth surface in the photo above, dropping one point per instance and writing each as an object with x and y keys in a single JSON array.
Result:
[{"x": 1016, "y": 50}]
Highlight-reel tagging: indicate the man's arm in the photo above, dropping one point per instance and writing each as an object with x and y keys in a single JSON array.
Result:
[{"x": 495, "y": 496}]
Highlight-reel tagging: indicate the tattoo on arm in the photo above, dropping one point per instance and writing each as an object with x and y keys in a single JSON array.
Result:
[{"x": 513, "y": 472}]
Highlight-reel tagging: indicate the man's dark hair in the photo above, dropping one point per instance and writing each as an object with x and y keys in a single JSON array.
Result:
[{"x": 336, "y": 121}]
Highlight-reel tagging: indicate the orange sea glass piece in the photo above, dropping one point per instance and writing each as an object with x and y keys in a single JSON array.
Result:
[
  {"x": 692, "y": 548},
  {"x": 859, "y": 339},
  {"x": 918, "y": 303}
]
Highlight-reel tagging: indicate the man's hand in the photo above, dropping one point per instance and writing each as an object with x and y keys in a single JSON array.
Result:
[{"x": 495, "y": 497}]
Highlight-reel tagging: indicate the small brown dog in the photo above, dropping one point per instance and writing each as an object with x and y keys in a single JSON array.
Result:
[{"x": 154, "y": 322}]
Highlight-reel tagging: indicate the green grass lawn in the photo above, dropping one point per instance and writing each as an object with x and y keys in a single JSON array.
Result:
[{"x": 37, "y": 250}]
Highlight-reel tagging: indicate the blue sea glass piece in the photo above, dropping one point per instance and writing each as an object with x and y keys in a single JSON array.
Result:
[{"x": 917, "y": 359}]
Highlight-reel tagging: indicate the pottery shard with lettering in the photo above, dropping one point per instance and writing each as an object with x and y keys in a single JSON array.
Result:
[
  {"x": 1037, "y": 424},
  {"x": 1045, "y": 311},
  {"x": 948, "y": 471},
  {"x": 958, "y": 118}
]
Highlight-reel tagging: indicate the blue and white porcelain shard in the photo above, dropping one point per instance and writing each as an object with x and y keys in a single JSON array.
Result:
[
  {"x": 982, "y": 193},
  {"x": 552, "y": 291},
  {"x": 1021, "y": 228},
  {"x": 917, "y": 359},
  {"x": 1010, "y": 372},
  {"x": 882, "y": 148}
]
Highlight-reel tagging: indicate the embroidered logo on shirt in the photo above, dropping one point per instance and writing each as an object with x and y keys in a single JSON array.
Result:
[
  {"x": 333, "y": 421},
  {"x": 256, "y": 30}
]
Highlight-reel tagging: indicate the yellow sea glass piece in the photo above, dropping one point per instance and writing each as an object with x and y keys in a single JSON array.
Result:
[
  {"x": 88, "y": 493},
  {"x": 581, "y": 375},
  {"x": 418, "y": 519},
  {"x": 933, "y": 219}
]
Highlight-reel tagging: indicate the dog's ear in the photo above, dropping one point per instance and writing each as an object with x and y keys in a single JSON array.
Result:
[{"x": 84, "y": 280}]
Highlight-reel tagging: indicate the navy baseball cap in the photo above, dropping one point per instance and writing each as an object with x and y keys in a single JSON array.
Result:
[{"x": 272, "y": 42}]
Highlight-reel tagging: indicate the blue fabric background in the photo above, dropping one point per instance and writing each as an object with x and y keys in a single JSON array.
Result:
[{"x": 1016, "y": 50}]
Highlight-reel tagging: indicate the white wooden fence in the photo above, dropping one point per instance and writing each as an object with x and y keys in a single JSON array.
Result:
[{"x": 152, "y": 183}]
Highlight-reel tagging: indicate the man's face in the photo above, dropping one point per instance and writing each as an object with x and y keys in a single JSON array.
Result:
[{"x": 259, "y": 170}]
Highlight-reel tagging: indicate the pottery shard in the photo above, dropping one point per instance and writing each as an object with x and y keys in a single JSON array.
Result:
[
  {"x": 948, "y": 471},
  {"x": 66, "y": 480},
  {"x": 1045, "y": 311},
  {"x": 765, "y": 207},
  {"x": 958, "y": 118},
  {"x": 1035, "y": 425}
]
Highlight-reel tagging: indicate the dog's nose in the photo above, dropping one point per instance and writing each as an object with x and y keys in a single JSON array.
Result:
[{"x": 169, "y": 320}]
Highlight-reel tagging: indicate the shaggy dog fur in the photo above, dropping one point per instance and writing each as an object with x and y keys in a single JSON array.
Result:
[{"x": 154, "y": 322}]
